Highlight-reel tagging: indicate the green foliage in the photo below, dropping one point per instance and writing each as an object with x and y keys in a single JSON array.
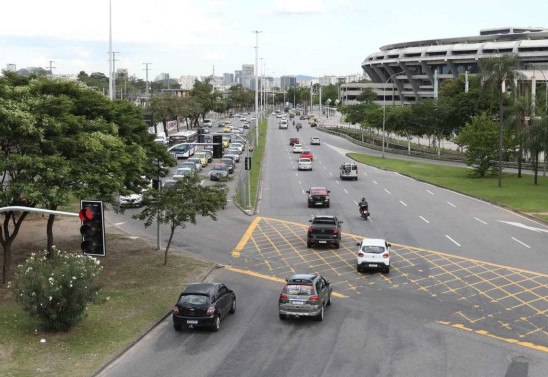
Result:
[
  {"x": 330, "y": 92},
  {"x": 479, "y": 138},
  {"x": 57, "y": 291},
  {"x": 367, "y": 96}
]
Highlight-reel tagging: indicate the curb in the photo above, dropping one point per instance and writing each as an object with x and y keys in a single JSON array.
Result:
[{"x": 143, "y": 333}]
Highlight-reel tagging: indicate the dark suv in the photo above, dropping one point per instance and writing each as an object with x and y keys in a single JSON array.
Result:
[
  {"x": 203, "y": 305},
  {"x": 305, "y": 295},
  {"x": 324, "y": 230},
  {"x": 318, "y": 196}
]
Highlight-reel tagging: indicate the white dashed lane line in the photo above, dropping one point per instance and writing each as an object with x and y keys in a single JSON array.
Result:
[
  {"x": 388, "y": 192},
  {"x": 451, "y": 204},
  {"x": 365, "y": 174},
  {"x": 331, "y": 174},
  {"x": 403, "y": 203},
  {"x": 325, "y": 168},
  {"x": 345, "y": 191},
  {"x": 481, "y": 221},
  {"x": 430, "y": 192},
  {"x": 423, "y": 219},
  {"x": 375, "y": 182},
  {"x": 452, "y": 240},
  {"x": 524, "y": 244},
  {"x": 337, "y": 181}
]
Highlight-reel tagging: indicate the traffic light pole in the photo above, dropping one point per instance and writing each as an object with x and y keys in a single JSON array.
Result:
[{"x": 37, "y": 210}]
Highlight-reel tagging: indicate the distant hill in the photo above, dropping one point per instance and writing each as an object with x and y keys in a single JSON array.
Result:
[{"x": 305, "y": 78}]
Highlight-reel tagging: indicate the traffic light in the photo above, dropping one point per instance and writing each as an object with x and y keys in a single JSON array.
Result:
[
  {"x": 217, "y": 146},
  {"x": 92, "y": 228},
  {"x": 248, "y": 163},
  {"x": 200, "y": 135}
]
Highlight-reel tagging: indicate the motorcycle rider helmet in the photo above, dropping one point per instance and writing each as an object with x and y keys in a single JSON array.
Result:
[{"x": 363, "y": 199}]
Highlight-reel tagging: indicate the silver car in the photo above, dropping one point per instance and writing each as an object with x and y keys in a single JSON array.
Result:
[
  {"x": 304, "y": 164},
  {"x": 305, "y": 295}
]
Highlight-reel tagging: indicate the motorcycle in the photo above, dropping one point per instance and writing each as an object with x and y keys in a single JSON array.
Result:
[{"x": 364, "y": 211}]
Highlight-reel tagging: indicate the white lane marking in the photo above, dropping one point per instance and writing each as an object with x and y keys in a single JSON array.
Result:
[
  {"x": 122, "y": 223},
  {"x": 304, "y": 192},
  {"x": 423, "y": 219},
  {"x": 331, "y": 174},
  {"x": 202, "y": 183},
  {"x": 336, "y": 180},
  {"x": 430, "y": 192},
  {"x": 345, "y": 191},
  {"x": 370, "y": 218},
  {"x": 296, "y": 175},
  {"x": 481, "y": 221},
  {"x": 451, "y": 204},
  {"x": 520, "y": 225},
  {"x": 524, "y": 244},
  {"x": 355, "y": 202},
  {"x": 455, "y": 242},
  {"x": 365, "y": 174},
  {"x": 325, "y": 168},
  {"x": 375, "y": 182},
  {"x": 299, "y": 182},
  {"x": 388, "y": 191},
  {"x": 403, "y": 203}
]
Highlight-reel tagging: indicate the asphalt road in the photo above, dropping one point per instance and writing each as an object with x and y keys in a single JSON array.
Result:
[{"x": 466, "y": 295}]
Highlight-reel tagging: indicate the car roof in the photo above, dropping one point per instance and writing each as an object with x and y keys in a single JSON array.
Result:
[
  {"x": 304, "y": 159},
  {"x": 318, "y": 189},
  {"x": 302, "y": 278},
  {"x": 201, "y": 288},
  {"x": 373, "y": 242}
]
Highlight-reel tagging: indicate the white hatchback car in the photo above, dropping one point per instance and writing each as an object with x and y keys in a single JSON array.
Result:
[
  {"x": 374, "y": 253},
  {"x": 297, "y": 148},
  {"x": 304, "y": 164}
]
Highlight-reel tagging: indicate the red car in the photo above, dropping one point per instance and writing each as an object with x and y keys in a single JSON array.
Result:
[
  {"x": 293, "y": 141},
  {"x": 307, "y": 154}
]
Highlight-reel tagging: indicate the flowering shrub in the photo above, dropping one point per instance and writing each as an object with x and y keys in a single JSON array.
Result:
[{"x": 57, "y": 291}]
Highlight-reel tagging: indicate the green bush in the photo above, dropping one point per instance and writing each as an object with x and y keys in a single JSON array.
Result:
[{"x": 56, "y": 291}]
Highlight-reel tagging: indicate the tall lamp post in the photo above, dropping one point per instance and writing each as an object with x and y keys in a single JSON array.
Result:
[{"x": 384, "y": 107}]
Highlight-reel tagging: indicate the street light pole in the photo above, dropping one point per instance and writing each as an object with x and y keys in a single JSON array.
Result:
[
  {"x": 384, "y": 106},
  {"x": 256, "y": 87}
]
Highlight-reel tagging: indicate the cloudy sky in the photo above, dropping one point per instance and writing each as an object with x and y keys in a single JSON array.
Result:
[{"x": 189, "y": 37}]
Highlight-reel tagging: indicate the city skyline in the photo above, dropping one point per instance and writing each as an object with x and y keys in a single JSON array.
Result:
[{"x": 309, "y": 37}]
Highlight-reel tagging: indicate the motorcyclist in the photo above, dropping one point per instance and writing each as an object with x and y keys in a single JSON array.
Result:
[{"x": 364, "y": 205}]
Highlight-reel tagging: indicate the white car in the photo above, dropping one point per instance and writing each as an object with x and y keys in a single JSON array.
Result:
[
  {"x": 182, "y": 172},
  {"x": 283, "y": 125},
  {"x": 238, "y": 146},
  {"x": 315, "y": 141},
  {"x": 374, "y": 253},
  {"x": 304, "y": 164},
  {"x": 196, "y": 162},
  {"x": 233, "y": 154},
  {"x": 297, "y": 148},
  {"x": 131, "y": 200}
]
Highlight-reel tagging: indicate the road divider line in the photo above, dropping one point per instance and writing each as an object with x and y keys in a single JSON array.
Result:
[
  {"x": 423, "y": 219},
  {"x": 364, "y": 173},
  {"x": 375, "y": 182},
  {"x": 268, "y": 277},
  {"x": 325, "y": 168},
  {"x": 247, "y": 235},
  {"x": 331, "y": 174},
  {"x": 452, "y": 240},
  {"x": 451, "y": 204},
  {"x": 300, "y": 182},
  {"x": 336, "y": 180},
  {"x": 430, "y": 192},
  {"x": 488, "y": 334},
  {"x": 403, "y": 203},
  {"x": 518, "y": 241},
  {"x": 481, "y": 221},
  {"x": 389, "y": 193}
]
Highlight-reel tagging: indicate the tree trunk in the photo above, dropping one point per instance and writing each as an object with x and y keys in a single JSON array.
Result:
[
  {"x": 536, "y": 167},
  {"x": 6, "y": 240},
  {"x": 500, "y": 138},
  {"x": 520, "y": 151},
  {"x": 409, "y": 144},
  {"x": 49, "y": 235},
  {"x": 168, "y": 245}
]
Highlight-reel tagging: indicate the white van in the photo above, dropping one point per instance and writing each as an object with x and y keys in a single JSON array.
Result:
[
  {"x": 208, "y": 123},
  {"x": 348, "y": 170},
  {"x": 283, "y": 124}
]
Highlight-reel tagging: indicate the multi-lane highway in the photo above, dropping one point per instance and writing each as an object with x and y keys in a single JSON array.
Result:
[{"x": 466, "y": 295}]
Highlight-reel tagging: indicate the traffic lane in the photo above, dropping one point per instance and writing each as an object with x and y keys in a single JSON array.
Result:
[{"x": 384, "y": 335}]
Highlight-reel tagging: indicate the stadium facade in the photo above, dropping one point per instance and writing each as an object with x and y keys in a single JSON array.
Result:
[{"x": 407, "y": 72}]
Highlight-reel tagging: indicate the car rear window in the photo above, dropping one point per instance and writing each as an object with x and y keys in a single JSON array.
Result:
[
  {"x": 373, "y": 249},
  {"x": 193, "y": 299},
  {"x": 324, "y": 221},
  {"x": 298, "y": 289}
]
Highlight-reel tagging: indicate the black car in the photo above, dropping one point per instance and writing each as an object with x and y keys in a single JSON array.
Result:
[
  {"x": 324, "y": 230},
  {"x": 203, "y": 305},
  {"x": 318, "y": 196}
]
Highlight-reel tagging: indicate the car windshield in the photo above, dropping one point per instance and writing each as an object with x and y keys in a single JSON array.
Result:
[
  {"x": 324, "y": 221},
  {"x": 298, "y": 289},
  {"x": 193, "y": 299},
  {"x": 304, "y": 160},
  {"x": 373, "y": 249}
]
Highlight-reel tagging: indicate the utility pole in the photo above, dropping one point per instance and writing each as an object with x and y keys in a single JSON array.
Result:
[
  {"x": 110, "y": 62},
  {"x": 256, "y": 87},
  {"x": 51, "y": 67},
  {"x": 146, "y": 70},
  {"x": 321, "y": 102},
  {"x": 114, "y": 72}
]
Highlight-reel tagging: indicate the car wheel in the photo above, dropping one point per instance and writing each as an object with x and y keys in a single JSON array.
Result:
[
  {"x": 177, "y": 327},
  {"x": 320, "y": 316},
  {"x": 387, "y": 269},
  {"x": 308, "y": 244},
  {"x": 329, "y": 300},
  {"x": 327, "y": 205},
  {"x": 217, "y": 324},
  {"x": 233, "y": 307},
  {"x": 337, "y": 245},
  {"x": 356, "y": 178},
  {"x": 358, "y": 268},
  {"x": 283, "y": 317}
]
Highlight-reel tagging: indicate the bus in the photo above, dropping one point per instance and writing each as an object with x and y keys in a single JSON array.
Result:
[{"x": 181, "y": 144}]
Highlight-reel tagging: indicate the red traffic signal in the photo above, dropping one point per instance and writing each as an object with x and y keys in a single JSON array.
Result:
[
  {"x": 85, "y": 214},
  {"x": 92, "y": 228}
]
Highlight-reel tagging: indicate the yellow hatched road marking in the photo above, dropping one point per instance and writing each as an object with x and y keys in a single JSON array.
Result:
[{"x": 236, "y": 252}]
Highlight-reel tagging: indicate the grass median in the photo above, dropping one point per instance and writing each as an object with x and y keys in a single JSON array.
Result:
[
  {"x": 519, "y": 194},
  {"x": 137, "y": 291}
]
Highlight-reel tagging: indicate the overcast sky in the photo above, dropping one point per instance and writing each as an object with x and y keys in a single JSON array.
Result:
[{"x": 189, "y": 37}]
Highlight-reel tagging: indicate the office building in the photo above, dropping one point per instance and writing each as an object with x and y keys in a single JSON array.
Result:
[{"x": 287, "y": 82}]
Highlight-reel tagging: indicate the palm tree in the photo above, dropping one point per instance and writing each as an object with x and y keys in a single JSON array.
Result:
[
  {"x": 535, "y": 139},
  {"x": 494, "y": 73},
  {"x": 516, "y": 119}
]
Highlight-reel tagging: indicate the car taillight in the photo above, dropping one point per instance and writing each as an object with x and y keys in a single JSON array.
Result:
[
  {"x": 210, "y": 310},
  {"x": 314, "y": 298},
  {"x": 175, "y": 310},
  {"x": 283, "y": 296},
  {"x": 360, "y": 254},
  {"x": 309, "y": 229},
  {"x": 336, "y": 231},
  {"x": 385, "y": 255}
]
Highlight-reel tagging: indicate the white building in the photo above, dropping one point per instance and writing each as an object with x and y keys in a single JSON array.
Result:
[{"x": 187, "y": 82}]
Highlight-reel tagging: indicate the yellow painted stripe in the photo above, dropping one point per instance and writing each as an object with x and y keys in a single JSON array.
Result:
[
  {"x": 271, "y": 278},
  {"x": 236, "y": 252},
  {"x": 487, "y": 333}
]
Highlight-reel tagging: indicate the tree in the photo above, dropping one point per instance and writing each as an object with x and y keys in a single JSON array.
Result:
[
  {"x": 206, "y": 97},
  {"x": 330, "y": 92},
  {"x": 516, "y": 119},
  {"x": 479, "y": 140},
  {"x": 367, "y": 96},
  {"x": 496, "y": 72},
  {"x": 181, "y": 204},
  {"x": 535, "y": 139}
]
